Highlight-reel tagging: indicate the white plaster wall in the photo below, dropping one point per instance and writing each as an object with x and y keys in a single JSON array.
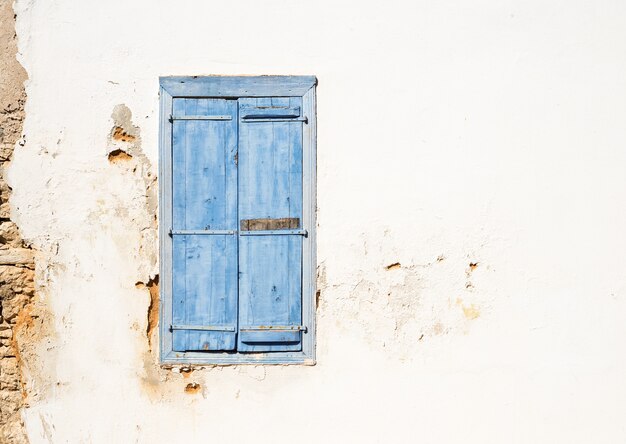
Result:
[{"x": 450, "y": 133}]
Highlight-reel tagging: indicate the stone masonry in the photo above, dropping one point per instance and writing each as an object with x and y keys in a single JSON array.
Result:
[{"x": 16, "y": 260}]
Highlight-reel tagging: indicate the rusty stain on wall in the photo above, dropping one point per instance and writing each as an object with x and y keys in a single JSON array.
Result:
[
  {"x": 192, "y": 388},
  {"x": 118, "y": 155},
  {"x": 153, "y": 308},
  {"x": 186, "y": 372},
  {"x": 124, "y": 135},
  {"x": 118, "y": 133},
  {"x": 470, "y": 311},
  {"x": 468, "y": 273}
]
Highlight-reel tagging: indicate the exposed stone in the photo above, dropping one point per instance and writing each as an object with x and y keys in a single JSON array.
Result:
[
  {"x": 16, "y": 256},
  {"x": 6, "y": 149},
  {"x": 5, "y": 210},
  {"x": 10, "y": 235},
  {"x": 16, "y": 262},
  {"x": 5, "y": 191}
]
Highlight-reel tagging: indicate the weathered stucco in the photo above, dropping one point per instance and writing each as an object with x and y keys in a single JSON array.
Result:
[
  {"x": 16, "y": 259},
  {"x": 470, "y": 206}
]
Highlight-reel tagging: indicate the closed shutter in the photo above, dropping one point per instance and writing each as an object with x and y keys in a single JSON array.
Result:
[
  {"x": 237, "y": 219},
  {"x": 237, "y": 224},
  {"x": 204, "y": 224},
  {"x": 270, "y": 223}
]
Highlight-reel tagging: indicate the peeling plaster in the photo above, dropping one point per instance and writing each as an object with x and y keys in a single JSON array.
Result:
[{"x": 19, "y": 323}]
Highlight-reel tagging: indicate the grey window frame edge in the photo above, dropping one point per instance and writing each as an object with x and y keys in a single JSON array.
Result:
[{"x": 235, "y": 87}]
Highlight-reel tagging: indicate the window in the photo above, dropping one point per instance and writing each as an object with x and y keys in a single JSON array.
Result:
[{"x": 237, "y": 219}]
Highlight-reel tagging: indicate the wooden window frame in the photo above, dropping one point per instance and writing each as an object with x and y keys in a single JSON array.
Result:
[{"x": 238, "y": 87}]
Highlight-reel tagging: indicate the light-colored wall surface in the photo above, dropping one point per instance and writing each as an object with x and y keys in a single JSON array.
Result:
[{"x": 480, "y": 145}]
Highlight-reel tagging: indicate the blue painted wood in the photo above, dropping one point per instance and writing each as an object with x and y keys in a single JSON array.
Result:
[
  {"x": 270, "y": 267},
  {"x": 165, "y": 223},
  {"x": 178, "y": 358},
  {"x": 294, "y": 120},
  {"x": 204, "y": 327},
  {"x": 308, "y": 109},
  {"x": 309, "y": 213},
  {"x": 268, "y": 112},
  {"x": 204, "y": 232},
  {"x": 258, "y": 338},
  {"x": 238, "y": 86},
  {"x": 273, "y": 232},
  {"x": 201, "y": 117},
  {"x": 204, "y": 198}
]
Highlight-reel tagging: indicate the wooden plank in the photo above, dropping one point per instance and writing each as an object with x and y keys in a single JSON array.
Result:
[
  {"x": 204, "y": 232},
  {"x": 179, "y": 262},
  {"x": 269, "y": 358},
  {"x": 239, "y": 86},
  {"x": 201, "y": 118},
  {"x": 299, "y": 232},
  {"x": 270, "y": 188},
  {"x": 269, "y": 224},
  {"x": 204, "y": 327},
  {"x": 165, "y": 222},
  {"x": 204, "y": 190},
  {"x": 309, "y": 223},
  {"x": 253, "y": 337},
  {"x": 269, "y": 112},
  {"x": 270, "y": 288}
]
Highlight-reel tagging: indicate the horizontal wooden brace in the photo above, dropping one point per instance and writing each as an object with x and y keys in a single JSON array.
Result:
[
  {"x": 274, "y": 233},
  {"x": 203, "y": 327},
  {"x": 240, "y": 86},
  {"x": 267, "y": 224},
  {"x": 203, "y": 232},
  {"x": 303, "y": 119},
  {"x": 242, "y": 233},
  {"x": 270, "y": 112},
  {"x": 172, "y": 118},
  {"x": 274, "y": 328}
]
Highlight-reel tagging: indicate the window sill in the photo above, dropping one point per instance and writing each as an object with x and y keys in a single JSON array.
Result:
[{"x": 199, "y": 358}]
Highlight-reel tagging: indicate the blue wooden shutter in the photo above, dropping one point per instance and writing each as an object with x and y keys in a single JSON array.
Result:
[
  {"x": 270, "y": 197},
  {"x": 204, "y": 147}
]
